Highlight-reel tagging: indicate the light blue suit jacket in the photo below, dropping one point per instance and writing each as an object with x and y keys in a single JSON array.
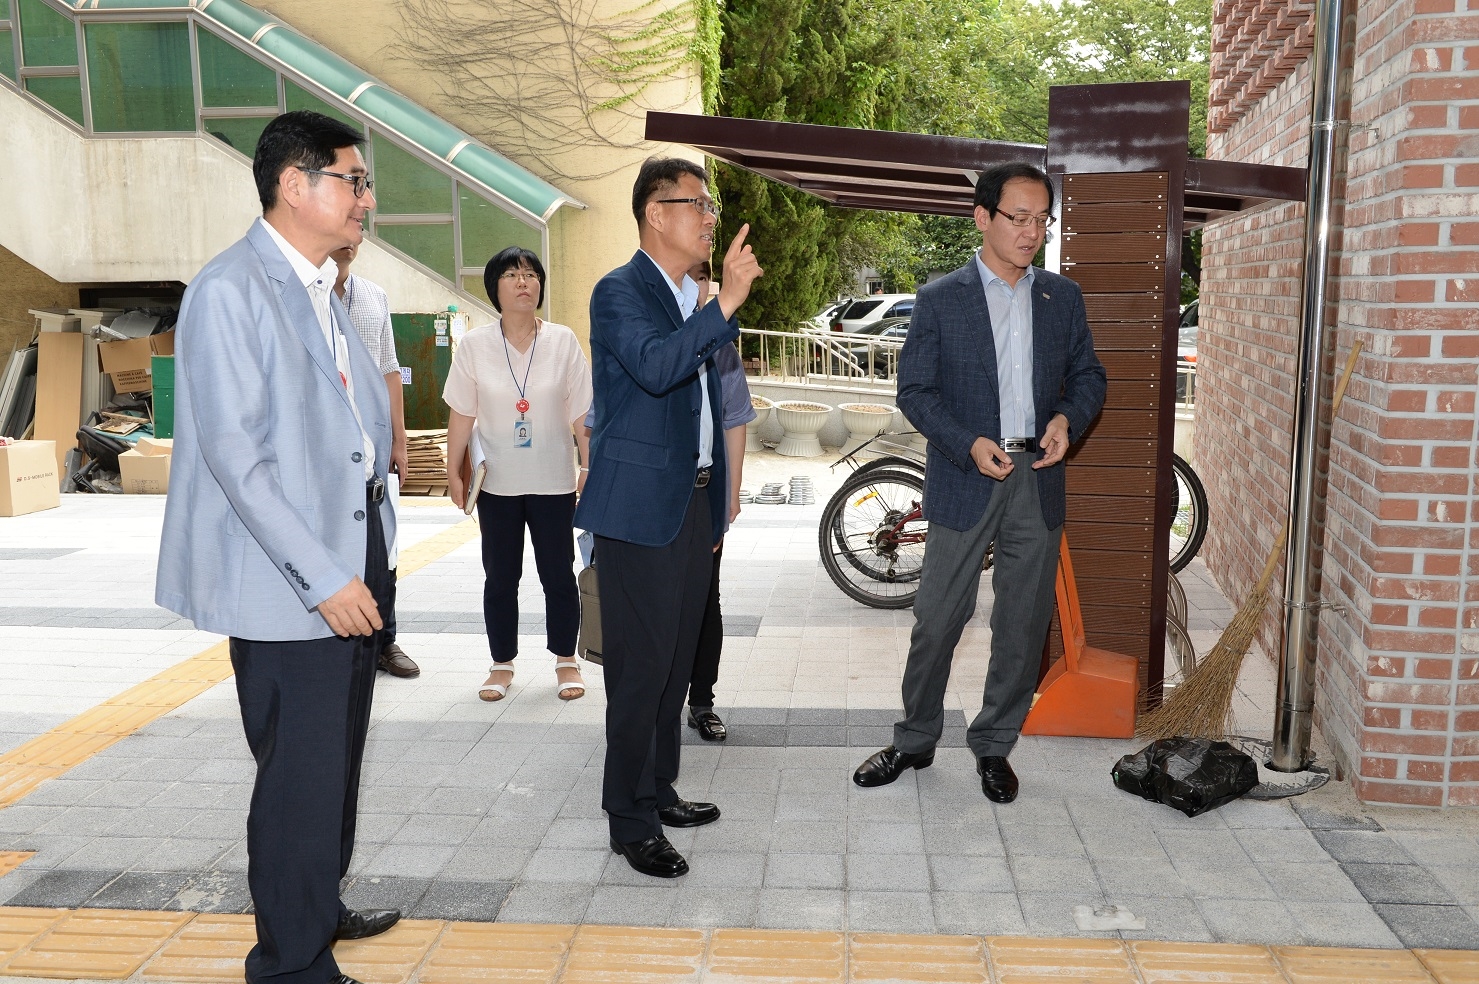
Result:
[{"x": 266, "y": 509}]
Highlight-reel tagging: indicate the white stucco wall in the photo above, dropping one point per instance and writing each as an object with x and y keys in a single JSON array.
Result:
[{"x": 103, "y": 210}]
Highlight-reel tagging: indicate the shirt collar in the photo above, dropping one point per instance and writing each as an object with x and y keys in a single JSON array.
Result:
[
  {"x": 323, "y": 276},
  {"x": 988, "y": 278},
  {"x": 686, "y": 295}
]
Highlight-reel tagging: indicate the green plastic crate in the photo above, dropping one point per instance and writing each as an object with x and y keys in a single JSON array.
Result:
[{"x": 163, "y": 371}]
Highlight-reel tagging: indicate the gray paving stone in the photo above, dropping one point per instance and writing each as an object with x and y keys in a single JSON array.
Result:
[
  {"x": 506, "y": 832},
  {"x": 191, "y": 794},
  {"x": 1260, "y": 815},
  {"x": 1318, "y": 817},
  {"x": 887, "y": 872},
  {"x": 426, "y": 828},
  {"x": 214, "y": 891},
  {"x": 111, "y": 853},
  {"x": 1397, "y": 883},
  {"x": 1428, "y": 847},
  {"x": 1446, "y": 927},
  {"x": 374, "y": 828},
  {"x": 1333, "y": 923},
  {"x": 1462, "y": 881},
  {"x": 184, "y": 854},
  {"x": 1052, "y": 914},
  {"x": 140, "y": 890},
  {"x": 1053, "y": 876},
  {"x": 970, "y": 874},
  {"x": 742, "y": 836},
  {"x": 630, "y": 905},
  {"x": 24, "y": 818},
  {"x": 1362, "y": 846},
  {"x": 1166, "y": 918},
  {"x": 978, "y": 913},
  {"x": 1292, "y": 846},
  {"x": 17, "y": 881},
  {"x": 807, "y": 871},
  {"x": 712, "y": 908},
  {"x": 1233, "y": 920},
  {"x": 1305, "y": 882},
  {"x": 808, "y": 837},
  {"x": 800, "y": 806},
  {"x": 720, "y": 871},
  {"x": 66, "y": 889},
  {"x": 409, "y": 860},
  {"x": 893, "y": 912},
  {"x": 1111, "y": 843},
  {"x": 554, "y": 865},
  {"x": 61, "y": 791},
  {"x": 1229, "y": 881},
  {"x": 476, "y": 901},
  {"x": 813, "y": 909},
  {"x": 1209, "y": 847},
  {"x": 1042, "y": 842},
  {"x": 402, "y": 800},
  {"x": 881, "y": 837},
  {"x": 384, "y": 892},
  {"x": 587, "y": 834},
  {"x": 457, "y": 801},
  {"x": 1123, "y": 877}
]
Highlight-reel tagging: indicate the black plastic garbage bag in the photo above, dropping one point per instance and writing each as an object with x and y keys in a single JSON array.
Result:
[{"x": 1193, "y": 775}]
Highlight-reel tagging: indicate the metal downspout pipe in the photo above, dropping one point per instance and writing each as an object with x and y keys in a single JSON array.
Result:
[{"x": 1335, "y": 34}]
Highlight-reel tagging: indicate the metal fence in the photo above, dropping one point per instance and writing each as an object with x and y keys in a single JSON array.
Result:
[{"x": 821, "y": 357}]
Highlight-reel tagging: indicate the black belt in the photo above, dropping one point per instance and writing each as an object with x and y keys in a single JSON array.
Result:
[
  {"x": 701, "y": 480},
  {"x": 375, "y": 489},
  {"x": 1018, "y": 445}
]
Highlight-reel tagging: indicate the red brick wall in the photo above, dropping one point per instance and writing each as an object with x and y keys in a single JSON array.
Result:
[{"x": 1398, "y": 681}]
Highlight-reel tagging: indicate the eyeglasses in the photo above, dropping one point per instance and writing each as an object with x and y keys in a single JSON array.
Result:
[
  {"x": 1024, "y": 219},
  {"x": 703, "y": 206},
  {"x": 362, "y": 182},
  {"x": 520, "y": 275}
]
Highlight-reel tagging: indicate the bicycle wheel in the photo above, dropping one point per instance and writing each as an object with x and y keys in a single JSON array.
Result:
[
  {"x": 871, "y": 537},
  {"x": 1188, "y": 514}
]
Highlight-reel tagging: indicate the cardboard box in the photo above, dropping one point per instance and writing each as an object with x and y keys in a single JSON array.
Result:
[
  {"x": 28, "y": 478},
  {"x": 143, "y": 474},
  {"x": 153, "y": 447},
  {"x": 59, "y": 391},
  {"x": 130, "y": 362}
]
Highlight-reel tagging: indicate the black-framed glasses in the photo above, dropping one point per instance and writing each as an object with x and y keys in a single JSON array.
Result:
[
  {"x": 1024, "y": 219},
  {"x": 703, "y": 206},
  {"x": 362, "y": 182}
]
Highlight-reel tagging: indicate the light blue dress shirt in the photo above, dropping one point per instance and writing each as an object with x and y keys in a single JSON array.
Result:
[
  {"x": 687, "y": 298},
  {"x": 1011, "y": 328}
]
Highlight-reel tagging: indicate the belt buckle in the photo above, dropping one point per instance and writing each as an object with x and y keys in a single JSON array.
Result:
[
  {"x": 701, "y": 480},
  {"x": 1014, "y": 445},
  {"x": 376, "y": 488}
]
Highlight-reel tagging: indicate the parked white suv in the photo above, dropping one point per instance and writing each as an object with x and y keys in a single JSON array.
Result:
[{"x": 872, "y": 309}]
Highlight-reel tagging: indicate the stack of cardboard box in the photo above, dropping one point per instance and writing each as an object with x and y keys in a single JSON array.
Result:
[{"x": 145, "y": 469}]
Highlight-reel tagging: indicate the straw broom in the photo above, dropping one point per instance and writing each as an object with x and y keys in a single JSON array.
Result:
[{"x": 1201, "y": 707}]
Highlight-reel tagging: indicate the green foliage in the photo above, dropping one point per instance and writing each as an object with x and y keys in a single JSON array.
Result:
[{"x": 804, "y": 61}]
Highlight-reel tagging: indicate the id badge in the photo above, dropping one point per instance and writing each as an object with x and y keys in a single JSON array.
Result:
[{"x": 523, "y": 434}]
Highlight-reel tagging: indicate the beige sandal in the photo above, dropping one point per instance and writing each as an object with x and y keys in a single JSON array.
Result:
[
  {"x": 497, "y": 691},
  {"x": 567, "y": 672}
]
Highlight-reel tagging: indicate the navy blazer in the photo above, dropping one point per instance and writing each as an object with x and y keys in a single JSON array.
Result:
[
  {"x": 948, "y": 387},
  {"x": 644, "y": 371}
]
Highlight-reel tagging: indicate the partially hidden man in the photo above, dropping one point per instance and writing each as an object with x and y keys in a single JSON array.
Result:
[
  {"x": 999, "y": 373},
  {"x": 277, "y": 529},
  {"x": 656, "y": 498}
]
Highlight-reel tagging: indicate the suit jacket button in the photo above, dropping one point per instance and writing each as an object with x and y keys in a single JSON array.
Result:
[
  {"x": 359, "y": 514},
  {"x": 357, "y": 457}
]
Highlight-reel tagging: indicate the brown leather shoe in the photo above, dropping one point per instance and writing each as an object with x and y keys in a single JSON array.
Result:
[{"x": 393, "y": 660}]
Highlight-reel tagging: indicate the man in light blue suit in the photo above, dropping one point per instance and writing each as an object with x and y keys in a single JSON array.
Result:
[
  {"x": 999, "y": 372},
  {"x": 277, "y": 529},
  {"x": 656, "y": 498}
]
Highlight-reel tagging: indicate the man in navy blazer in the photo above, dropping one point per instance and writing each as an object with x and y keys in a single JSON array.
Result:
[
  {"x": 656, "y": 494},
  {"x": 277, "y": 529},
  {"x": 999, "y": 373}
]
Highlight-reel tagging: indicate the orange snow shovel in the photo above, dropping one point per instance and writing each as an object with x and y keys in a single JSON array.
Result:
[{"x": 1089, "y": 693}]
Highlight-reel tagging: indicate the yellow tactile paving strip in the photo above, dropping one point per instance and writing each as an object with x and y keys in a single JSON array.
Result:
[
  {"x": 109, "y": 944},
  {"x": 24, "y": 768}
]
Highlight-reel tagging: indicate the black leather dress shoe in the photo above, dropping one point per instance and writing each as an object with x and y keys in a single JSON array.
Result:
[
  {"x": 998, "y": 781},
  {"x": 653, "y": 856},
  {"x": 393, "y": 660},
  {"x": 357, "y": 925},
  {"x": 708, "y": 725},
  {"x": 686, "y": 814},
  {"x": 885, "y": 766},
  {"x": 343, "y": 979}
]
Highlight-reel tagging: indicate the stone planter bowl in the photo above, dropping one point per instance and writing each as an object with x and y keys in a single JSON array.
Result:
[
  {"x": 763, "y": 407},
  {"x": 801, "y": 421},
  {"x": 864, "y": 421}
]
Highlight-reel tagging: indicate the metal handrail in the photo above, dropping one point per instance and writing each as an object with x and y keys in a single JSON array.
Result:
[{"x": 825, "y": 357}]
